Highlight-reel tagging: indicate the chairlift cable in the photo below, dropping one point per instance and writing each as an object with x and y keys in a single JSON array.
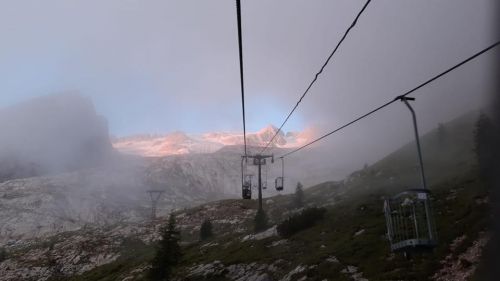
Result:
[
  {"x": 240, "y": 47},
  {"x": 396, "y": 98},
  {"x": 318, "y": 73}
]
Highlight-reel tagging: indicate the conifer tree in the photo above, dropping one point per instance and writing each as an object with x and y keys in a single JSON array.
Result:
[
  {"x": 168, "y": 252},
  {"x": 206, "y": 230},
  {"x": 298, "y": 199}
]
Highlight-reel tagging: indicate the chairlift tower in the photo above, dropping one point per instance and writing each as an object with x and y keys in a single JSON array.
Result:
[
  {"x": 154, "y": 195},
  {"x": 259, "y": 160}
]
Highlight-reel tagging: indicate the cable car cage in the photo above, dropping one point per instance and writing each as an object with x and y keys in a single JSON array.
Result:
[
  {"x": 408, "y": 215},
  {"x": 247, "y": 187},
  {"x": 278, "y": 182},
  {"x": 410, "y": 223},
  {"x": 246, "y": 182}
]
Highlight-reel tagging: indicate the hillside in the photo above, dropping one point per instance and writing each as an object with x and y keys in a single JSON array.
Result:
[{"x": 348, "y": 244}]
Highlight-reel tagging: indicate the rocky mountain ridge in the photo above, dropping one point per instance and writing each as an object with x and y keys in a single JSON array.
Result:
[{"x": 181, "y": 143}]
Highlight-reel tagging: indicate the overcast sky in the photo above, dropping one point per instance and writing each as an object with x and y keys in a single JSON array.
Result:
[{"x": 159, "y": 66}]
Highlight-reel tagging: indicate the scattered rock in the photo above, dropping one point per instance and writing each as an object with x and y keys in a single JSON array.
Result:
[
  {"x": 262, "y": 235},
  {"x": 277, "y": 243},
  {"x": 289, "y": 275},
  {"x": 332, "y": 259},
  {"x": 463, "y": 266},
  {"x": 359, "y": 232}
]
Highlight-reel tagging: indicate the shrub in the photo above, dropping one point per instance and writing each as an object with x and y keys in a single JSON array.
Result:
[
  {"x": 305, "y": 219},
  {"x": 206, "y": 230},
  {"x": 3, "y": 254}
]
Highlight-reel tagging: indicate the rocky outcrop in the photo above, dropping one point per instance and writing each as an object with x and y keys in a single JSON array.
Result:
[
  {"x": 51, "y": 134},
  {"x": 461, "y": 266},
  {"x": 71, "y": 253}
]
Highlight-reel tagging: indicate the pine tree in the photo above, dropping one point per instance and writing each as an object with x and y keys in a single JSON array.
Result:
[
  {"x": 206, "y": 230},
  {"x": 168, "y": 252},
  {"x": 298, "y": 199}
]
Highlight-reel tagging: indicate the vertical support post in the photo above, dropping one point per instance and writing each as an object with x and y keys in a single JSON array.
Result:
[
  {"x": 242, "y": 173},
  {"x": 260, "y": 182},
  {"x": 417, "y": 139},
  {"x": 421, "y": 162},
  {"x": 415, "y": 222},
  {"x": 283, "y": 171}
]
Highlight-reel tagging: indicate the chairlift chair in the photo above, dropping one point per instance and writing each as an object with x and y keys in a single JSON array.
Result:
[
  {"x": 246, "y": 181},
  {"x": 246, "y": 192},
  {"x": 278, "y": 183},
  {"x": 409, "y": 220},
  {"x": 247, "y": 187}
]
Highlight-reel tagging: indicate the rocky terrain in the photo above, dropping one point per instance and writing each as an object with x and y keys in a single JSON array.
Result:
[
  {"x": 59, "y": 172},
  {"x": 348, "y": 244}
]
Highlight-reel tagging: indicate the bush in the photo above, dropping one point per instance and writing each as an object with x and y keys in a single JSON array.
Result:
[
  {"x": 3, "y": 254},
  {"x": 260, "y": 221},
  {"x": 206, "y": 230},
  {"x": 307, "y": 218}
]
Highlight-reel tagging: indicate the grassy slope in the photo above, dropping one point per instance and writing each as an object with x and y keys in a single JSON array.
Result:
[{"x": 452, "y": 175}]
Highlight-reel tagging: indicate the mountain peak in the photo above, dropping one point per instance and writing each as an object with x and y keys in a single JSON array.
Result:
[
  {"x": 269, "y": 128},
  {"x": 179, "y": 142}
]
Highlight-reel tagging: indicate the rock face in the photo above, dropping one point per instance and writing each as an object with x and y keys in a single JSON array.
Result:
[
  {"x": 72, "y": 253},
  {"x": 51, "y": 134},
  {"x": 116, "y": 192},
  {"x": 462, "y": 266},
  {"x": 43, "y": 206}
]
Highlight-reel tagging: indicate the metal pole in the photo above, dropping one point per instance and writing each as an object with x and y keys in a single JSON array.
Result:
[
  {"x": 283, "y": 170},
  {"x": 260, "y": 182},
  {"x": 421, "y": 162},
  {"x": 242, "y": 174}
]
